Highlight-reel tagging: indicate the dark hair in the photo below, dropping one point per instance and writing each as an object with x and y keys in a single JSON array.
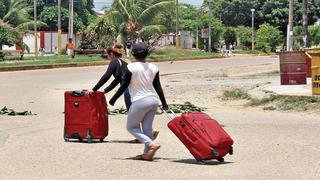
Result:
[
  {"x": 109, "y": 50},
  {"x": 117, "y": 54},
  {"x": 141, "y": 55},
  {"x": 70, "y": 39},
  {"x": 140, "y": 50}
]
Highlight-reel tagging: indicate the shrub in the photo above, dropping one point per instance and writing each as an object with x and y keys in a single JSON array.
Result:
[
  {"x": 230, "y": 35},
  {"x": 314, "y": 37},
  {"x": 244, "y": 35},
  {"x": 268, "y": 38},
  {"x": 235, "y": 94},
  {"x": 98, "y": 35}
]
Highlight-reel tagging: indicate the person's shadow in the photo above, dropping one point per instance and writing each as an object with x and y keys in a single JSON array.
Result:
[
  {"x": 124, "y": 142},
  {"x": 86, "y": 142},
  {"x": 184, "y": 161},
  {"x": 195, "y": 162}
]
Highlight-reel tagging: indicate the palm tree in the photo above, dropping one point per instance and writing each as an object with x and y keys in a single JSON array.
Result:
[
  {"x": 136, "y": 16},
  {"x": 15, "y": 22}
]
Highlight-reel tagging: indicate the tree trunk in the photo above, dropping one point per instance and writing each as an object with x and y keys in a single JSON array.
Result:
[
  {"x": 1, "y": 55},
  {"x": 305, "y": 23},
  {"x": 290, "y": 27}
]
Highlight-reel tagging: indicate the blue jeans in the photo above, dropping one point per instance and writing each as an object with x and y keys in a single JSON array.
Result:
[
  {"x": 127, "y": 99},
  {"x": 142, "y": 111}
]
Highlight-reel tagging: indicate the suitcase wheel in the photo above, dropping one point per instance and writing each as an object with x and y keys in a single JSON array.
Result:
[
  {"x": 231, "y": 150},
  {"x": 89, "y": 140},
  {"x": 101, "y": 140},
  {"x": 66, "y": 139},
  {"x": 220, "y": 159}
]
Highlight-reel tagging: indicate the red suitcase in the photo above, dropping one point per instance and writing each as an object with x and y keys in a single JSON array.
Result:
[
  {"x": 203, "y": 136},
  {"x": 86, "y": 116}
]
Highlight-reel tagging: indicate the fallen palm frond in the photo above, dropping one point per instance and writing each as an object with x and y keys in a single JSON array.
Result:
[
  {"x": 176, "y": 108},
  {"x": 11, "y": 112},
  {"x": 121, "y": 110},
  {"x": 186, "y": 107}
]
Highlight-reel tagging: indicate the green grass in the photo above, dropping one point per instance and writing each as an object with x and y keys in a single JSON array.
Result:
[
  {"x": 174, "y": 56},
  {"x": 286, "y": 103},
  {"x": 235, "y": 94},
  {"x": 263, "y": 101},
  {"x": 49, "y": 60},
  {"x": 270, "y": 73},
  {"x": 55, "y": 58},
  {"x": 169, "y": 52},
  {"x": 162, "y": 50},
  {"x": 297, "y": 103},
  {"x": 274, "y": 102},
  {"x": 240, "y": 51}
]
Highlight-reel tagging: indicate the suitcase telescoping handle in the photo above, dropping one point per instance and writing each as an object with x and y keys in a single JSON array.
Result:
[
  {"x": 77, "y": 93},
  {"x": 165, "y": 112}
]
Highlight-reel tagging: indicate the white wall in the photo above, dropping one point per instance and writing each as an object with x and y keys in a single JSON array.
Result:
[
  {"x": 51, "y": 40},
  {"x": 9, "y": 48},
  {"x": 29, "y": 41},
  {"x": 186, "y": 40}
]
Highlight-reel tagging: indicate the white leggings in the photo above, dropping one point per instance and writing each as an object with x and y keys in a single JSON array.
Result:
[{"x": 142, "y": 111}]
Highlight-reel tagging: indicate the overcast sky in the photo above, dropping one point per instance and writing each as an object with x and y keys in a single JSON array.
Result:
[{"x": 99, "y": 4}]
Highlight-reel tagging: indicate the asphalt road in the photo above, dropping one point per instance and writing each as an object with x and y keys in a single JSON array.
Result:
[{"x": 268, "y": 145}]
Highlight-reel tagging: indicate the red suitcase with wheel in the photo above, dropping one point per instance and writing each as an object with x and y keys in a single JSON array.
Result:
[
  {"x": 203, "y": 136},
  {"x": 86, "y": 116}
]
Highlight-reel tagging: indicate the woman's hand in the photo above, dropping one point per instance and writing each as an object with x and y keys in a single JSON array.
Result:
[
  {"x": 165, "y": 107},
  {"x": 90, "y": 93},
  {"x": 112, "y": 101}
]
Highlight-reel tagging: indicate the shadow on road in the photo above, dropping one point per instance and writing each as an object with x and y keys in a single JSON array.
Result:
[
  {"x": 132, "y": 159},
  {"x": 184, "y": 161},
  {"x": 86, "y": 142},
  {"x": 124, "y": 142},
  {"x": 193, "y": 161}
]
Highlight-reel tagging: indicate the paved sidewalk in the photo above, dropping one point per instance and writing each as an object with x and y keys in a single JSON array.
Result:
[{"x": 290, "y": 90}]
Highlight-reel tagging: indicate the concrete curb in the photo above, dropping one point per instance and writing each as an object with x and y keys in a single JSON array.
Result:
[{"x": 84, "y": 64}]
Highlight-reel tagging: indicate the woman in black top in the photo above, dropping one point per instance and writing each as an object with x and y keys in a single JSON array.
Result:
[{"x": 116, "y": 68}]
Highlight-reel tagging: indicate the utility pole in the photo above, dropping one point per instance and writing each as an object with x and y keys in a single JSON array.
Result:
[
  {"x": 197, "y": 34},
  {"x": 59, "y": 29},
  {"x": 177, "y": 28},
  {"x": 305, "y": 23},
  {"x": 290, "y": 27},
  {"x": 35, "y": 30},
  {"x": 70, "y": 18},
  {"x": 210, "y": 15},
  {"x": 252, "y": 38}
]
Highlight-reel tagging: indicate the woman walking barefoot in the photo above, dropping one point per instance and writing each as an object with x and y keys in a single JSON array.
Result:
[{"x": 142, "y": 80}]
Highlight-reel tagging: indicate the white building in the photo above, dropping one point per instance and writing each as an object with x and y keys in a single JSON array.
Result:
[{"x": 46, "y": 39}]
